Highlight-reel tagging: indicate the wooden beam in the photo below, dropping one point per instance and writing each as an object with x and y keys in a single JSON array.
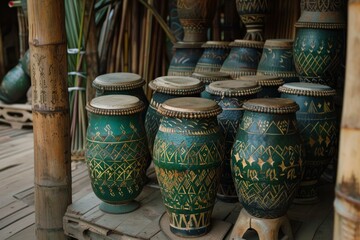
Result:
[
  {"x": 51, "y": 121},
  {"x": 347, "y": 201}
]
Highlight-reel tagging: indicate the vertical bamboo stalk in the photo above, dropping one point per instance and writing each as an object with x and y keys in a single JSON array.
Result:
[
  {"x": 347, "y": 201},
  {"x": 92, "y": 61},
  {"x": 47, "y": 40}
]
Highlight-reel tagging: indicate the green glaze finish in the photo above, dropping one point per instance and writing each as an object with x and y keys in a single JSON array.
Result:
[
  {"x": 269, "y": 85},
  {"x": 14, "y": 85},
  {"x": 230, "y": 95},
  {"x": 208, "y": 78},
  {"x": 266, "y": 162},
  {"x": 184, "y": 61},
  {"x": 243, "y": 58},
  {"x": 229, "y": 121},
  {"x": 116, "y": 156},
  {"x": 165, "y": 88},
  {"x": 319, "y": 130},
  {"x": 25, "y": 62},
  {"x": 188, "y": 155},
  {"x": 215, "y": 53},
  {"x": 318, "y": 54},
  {"x": 277, "y": 60}
]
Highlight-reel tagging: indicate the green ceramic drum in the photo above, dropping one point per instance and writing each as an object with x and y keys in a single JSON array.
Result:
[
  {"x": 319, "y": 129},
  {"x": 167, "y": 87},
  {"x": 188, "y": 154},
  {"x": 215, "y": 53},
  {"x": 230, "y": 95},
  {"x": 267, "y": 157},
  {"x": 269, "y": 85},
  {"x": 208, "y": 78},
  {"x": 116, "y": 151},
  {"x": 124, "y": 83}
]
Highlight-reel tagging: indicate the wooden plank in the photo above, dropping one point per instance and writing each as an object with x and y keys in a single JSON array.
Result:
[
  {"x": 222, "y": 210},
  {"x": 25, "y": 234},
  {"x": 137, "y": 223},
  {"x": 17, "y": 226},
  {"x": 11, "y": 208},
  {"x": 83, "y": 205},
  {"x": 16, "y": 216},
  {"x": 160, "y": 236}
]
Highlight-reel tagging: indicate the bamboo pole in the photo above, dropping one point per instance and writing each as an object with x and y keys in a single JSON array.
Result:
[
  {"x": 92, "y": 61},
  {"x": 51, "y": 121},
  {"x": 347, "y": 200}
]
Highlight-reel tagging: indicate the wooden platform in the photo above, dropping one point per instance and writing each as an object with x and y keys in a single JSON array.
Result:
[
  {"x": 16, "y": 115},
  {"x": 17, "y": 216},
  {"x": 84, "y": 220}
]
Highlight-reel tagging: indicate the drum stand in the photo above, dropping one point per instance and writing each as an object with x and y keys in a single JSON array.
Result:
[{"x": 267, "y": 229}]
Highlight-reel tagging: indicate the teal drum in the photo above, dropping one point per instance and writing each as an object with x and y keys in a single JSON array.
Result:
[
  {"x": 116, "y": 151},
  {"x": 269, "y": 85},
  {"x": 124, "y": 83},
  {"x": 167, "y": 87},
  {"x": 186, "y": 56},
  {"x": 277, "y": 60},
  {"x": 208, "y": 78},
  {"x": 267, "y": 157},
  {"x": 188, "y": 155},
  {"x": 319, "y": 130},
  {"x": 243, "y": 58},
  {"x": 230, "y": 95},
  {"x": 215, "y": 53}
]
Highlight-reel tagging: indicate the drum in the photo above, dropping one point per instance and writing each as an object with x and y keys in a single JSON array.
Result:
[
  {"x": 319, "y": 130},
  {"x": 165, "y": 88},
  {"x": 266, "y": 158},
  {"x": 116, "y": 151},
  {"x": 269, "y": 85},
  {"x": 243, "y": 58},
  {"x": 186, "y": 56},
  {"x": 188, "y": 154},
  {"x": 215, "y": 53},
  {"x": 230, "y": 95},
  {"x": 121, "y": 83},
  {"x": 277, "y": 60},
  {"x": 210, "y": 77}
]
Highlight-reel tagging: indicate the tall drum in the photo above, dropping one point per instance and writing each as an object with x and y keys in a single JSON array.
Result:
[
  {"x": 230, "y": 95},
  {"x": 165, "y": 88},
  {"x": 188, "y": 154},
  {"x": 319, "y": 130},
  {"x": 267, "y": 157},
  {"x": 120, "y": 83},
  {"x": 116, "y": 151}
]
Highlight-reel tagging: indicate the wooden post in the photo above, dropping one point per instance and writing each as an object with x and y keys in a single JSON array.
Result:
[
  {"x": 51, "y": 121},
  {"x": 347, "y": 201}
]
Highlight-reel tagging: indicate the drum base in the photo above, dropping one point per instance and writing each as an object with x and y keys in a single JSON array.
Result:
[
  {"x": 267, "y": 229},
  {"x": 119, "y": 208}
]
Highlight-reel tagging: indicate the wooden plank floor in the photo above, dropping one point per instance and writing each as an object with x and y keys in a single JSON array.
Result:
[
  {"x": 84, "y": 219},
  {"x": 17, "y": 215}
]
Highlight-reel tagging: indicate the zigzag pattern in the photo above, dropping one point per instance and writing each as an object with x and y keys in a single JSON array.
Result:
[
  {"x": 323, "y": 5},
  {"x": 266, "y": 200},
  {"x": 117, "y": 166},
  {"x": 252, "y": 6},
  {"x": 188, "y": 190},
  {"x": 188, "y": 154},
  {"x": 317, "y": 58},
  {"x": 263, "y": 126},
  {"x": 190, "y": 221}
]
